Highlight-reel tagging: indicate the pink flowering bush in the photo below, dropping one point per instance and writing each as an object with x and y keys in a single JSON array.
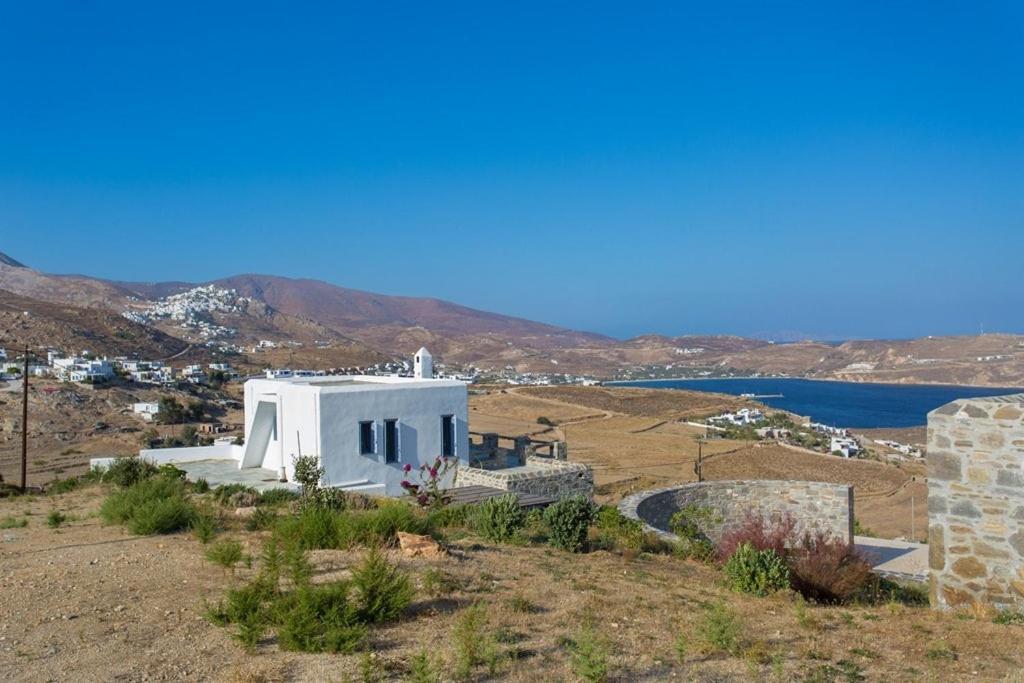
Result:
[{"x": 428, "y": 492}]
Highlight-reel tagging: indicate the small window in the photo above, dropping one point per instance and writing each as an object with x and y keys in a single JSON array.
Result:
[
  {"x": 390, "y": 440},
  {"x": 447, "y": 435},
  {"x": 366, "y": 440}
]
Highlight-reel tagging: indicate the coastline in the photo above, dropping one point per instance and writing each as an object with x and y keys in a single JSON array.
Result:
[{"x": 812, "y": 379}]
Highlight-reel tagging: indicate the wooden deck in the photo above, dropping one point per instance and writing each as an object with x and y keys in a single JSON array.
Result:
[{"x": 466, "y": 495}]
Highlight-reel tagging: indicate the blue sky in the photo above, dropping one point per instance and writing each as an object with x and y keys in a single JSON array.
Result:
[{"x": 833, "y": 169}]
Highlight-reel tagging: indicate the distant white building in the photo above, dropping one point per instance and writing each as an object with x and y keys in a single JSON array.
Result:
[
  {"x": 80, "y": 369},
  {"x": 423, "y": 365},
  {"x": 742, "y": 417},
  {"x": 147, "y": 411},
  {"x": 846, "y": 446},
  {"x": 364, "y": 429}
]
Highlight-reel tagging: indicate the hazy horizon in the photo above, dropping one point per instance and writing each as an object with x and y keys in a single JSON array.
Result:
[{"x": 821, "y": 171}]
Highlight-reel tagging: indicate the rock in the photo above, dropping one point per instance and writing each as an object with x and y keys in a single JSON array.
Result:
[
  {"x": 415, "y": 545},
  {"x": 247, "y": 511}
]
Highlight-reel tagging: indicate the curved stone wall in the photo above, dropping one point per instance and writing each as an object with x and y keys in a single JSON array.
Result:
[{"x": 813, "y": 504}]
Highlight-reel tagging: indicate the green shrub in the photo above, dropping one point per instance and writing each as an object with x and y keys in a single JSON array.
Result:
[
  {"x": 1007, "y": 617},
  {"x": 382, "y": 589},
  {"x": 227, "y": 553},
  {"x": 422, "y": 669},
  {"x": 55, "y": 519},
  {"x": 277, "y": 497},
  {"x": 320, "y": 619},
  {"x": 125, "y": 472},
  {"x": 313, "y": 528},
  {"x": 589, "y": 656},
  {"x": 756, "y": 571},
  {"x": 448, "y": 516},
  {"x": 59, "y": 486},
  {"x": 13, "y": 523},
  {"x": 200, "y": 485},
  {"x": 618, "y": 532},
  {"x": 204, "y": 526},
  {"x": 151, "y": 506},
  {"x": 568, "y": 521},
  {"x": 720, "y": 629},
  {"x": 261, "y": 518},
  {"x": 161, "y": 517},
  {"x": 225, "y": 492},
  {"x": 499, "y": 519},
  {"x": 380, "y": 526},
  {"x": 474, "y": 645}
]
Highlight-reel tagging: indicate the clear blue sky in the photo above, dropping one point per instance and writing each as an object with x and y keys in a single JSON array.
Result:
[{"x": 837, "y": 169}]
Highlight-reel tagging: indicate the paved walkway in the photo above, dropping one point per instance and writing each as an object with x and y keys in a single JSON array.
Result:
[
  {"x": 895, "y": 559},
  {"x": 217, "y": 472}
]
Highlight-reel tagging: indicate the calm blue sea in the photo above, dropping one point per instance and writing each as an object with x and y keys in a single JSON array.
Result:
[{"x": 842, "y": 404}]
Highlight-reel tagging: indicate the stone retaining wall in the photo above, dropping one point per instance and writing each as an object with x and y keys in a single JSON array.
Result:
[
  {"x": 543, "y": 477},
  {"x": 976, "y": 502},
  {"x": 814, "y": 505}
]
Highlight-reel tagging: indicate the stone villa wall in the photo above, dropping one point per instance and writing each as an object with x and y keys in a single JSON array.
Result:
[
  {"x": 814, "y": 505},
  {"x": 976, "y": 502},
  {"x": 542, "y": 477}
]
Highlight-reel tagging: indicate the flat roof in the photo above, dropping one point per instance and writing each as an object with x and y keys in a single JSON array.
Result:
[{"x": 333, "y": 383}]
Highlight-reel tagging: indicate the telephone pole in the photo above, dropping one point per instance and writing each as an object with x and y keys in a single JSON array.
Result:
[{"x": 24, "y": 422}]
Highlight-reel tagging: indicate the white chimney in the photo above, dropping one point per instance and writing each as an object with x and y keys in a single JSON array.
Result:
[{"x": 423, "y": 365}]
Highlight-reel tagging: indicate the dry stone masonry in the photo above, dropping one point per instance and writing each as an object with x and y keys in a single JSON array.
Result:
[
  {"x": 541, "y": 476},
  {"x": 976, "y": 502},
  {"x": 813, "y": 505}
]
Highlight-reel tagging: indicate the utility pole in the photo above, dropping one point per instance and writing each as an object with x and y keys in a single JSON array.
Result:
[
  {"x": 24, "y": 422},
  {"x": 698, "y": 467}
]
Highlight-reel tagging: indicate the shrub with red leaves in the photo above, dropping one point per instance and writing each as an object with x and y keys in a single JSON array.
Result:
[
  {"x": 826, "y": 569},
  {"x": 777, "y": 534},
  {"x": 822, "y": 568}
]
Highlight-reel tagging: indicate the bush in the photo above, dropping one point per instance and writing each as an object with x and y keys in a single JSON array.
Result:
[
  {"x": 200, "y": 485},
  {"x": 589, "y": 656},
  {"x": 59, "y": 486},
  {"x": 825, "y": 569},
  {"x": 320, "y": 619},
  {"x": 55, "y": 519},
  {"x": 422, "y": 669},
  {"x": 688, "y": 525},
  {"x": 499, "y": 519},
  {"x": 616, "y": 531},
  {"x": 125, "y": 472},
  {"x": 261, "y": 518},
  {"x": 151, "y": 506},
  {"x": 204, "y": 526},
  {"x": 228, "y": 494},
  {"x": 762, "y": 534},
  {"x": 277, "y": 497},
  {"x": 720, "y": 629},
  {"x": 226, "y": 553},
  {"x": 450, "y": 516},
  {"x": 380, "y": 527},
  {"x": 474, "y": 646},
  {"x": 382, "y": 590},
  {"x": 13, "y": 523},
  {"x": 313, "y": 528},
  {"x": 756, "y": 571},
  {"x": 568, "y": 521}
]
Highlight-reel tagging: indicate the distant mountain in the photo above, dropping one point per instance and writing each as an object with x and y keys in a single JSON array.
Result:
[
  {"x": 318, "y": 324},
  {"x": 41, "y": 324}
]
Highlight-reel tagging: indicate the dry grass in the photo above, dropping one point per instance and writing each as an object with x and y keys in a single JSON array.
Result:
[{"x": 136, "y": 606}]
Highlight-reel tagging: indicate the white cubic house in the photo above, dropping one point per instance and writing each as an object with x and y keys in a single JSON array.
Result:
[{"x": 364, "y": 429}]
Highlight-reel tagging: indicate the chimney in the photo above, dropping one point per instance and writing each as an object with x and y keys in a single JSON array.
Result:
[{"x": 423, "y": 365}]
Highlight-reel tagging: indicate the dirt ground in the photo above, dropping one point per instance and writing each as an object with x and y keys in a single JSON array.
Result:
[
  {"x": 86, "y": 602},
  {"x": 633, "y": 441}
]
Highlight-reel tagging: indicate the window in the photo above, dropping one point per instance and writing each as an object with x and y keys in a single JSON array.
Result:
[
  {"x": 447, "y": 435},
  {"x": 390, "y": 440},
  {"x": 366, "y": 440}
]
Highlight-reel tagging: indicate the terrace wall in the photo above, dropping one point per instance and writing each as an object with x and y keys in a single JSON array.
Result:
[
  {"x": 542, "y": 476},
  {"x": 813, "y": 505}
]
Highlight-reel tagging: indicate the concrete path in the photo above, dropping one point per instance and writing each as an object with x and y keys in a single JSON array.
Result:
[
  {"x": 217, "y": 472},
  {"x": 895, "y": 559}
]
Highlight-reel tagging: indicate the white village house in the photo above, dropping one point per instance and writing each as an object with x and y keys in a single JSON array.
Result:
[{"x": 364, "y": 429}]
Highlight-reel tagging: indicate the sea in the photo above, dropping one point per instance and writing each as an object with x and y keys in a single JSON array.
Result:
[{"x": 841, "y": 404}]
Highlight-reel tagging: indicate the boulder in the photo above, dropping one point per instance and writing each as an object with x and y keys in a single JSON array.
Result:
[{"x": 414, "y": 545}]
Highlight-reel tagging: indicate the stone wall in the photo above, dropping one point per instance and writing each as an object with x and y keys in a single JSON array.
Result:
[
  {"x": 814, "y": 505},
  {"x": 976, "y": 502},
  {"x": 541, "y": 476}
]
